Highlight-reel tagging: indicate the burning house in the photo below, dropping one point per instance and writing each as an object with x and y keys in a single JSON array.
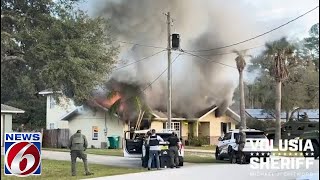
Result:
[{"x": 201, "y": 91}]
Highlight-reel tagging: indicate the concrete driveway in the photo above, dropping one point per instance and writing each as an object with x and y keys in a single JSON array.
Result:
[{"x": 221, "y": 171}]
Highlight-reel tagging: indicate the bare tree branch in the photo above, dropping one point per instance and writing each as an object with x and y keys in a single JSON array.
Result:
[{"x": 12, "y": 58}]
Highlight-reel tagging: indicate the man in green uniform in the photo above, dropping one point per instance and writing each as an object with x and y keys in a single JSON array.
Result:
[
  {"x": 78, "y": 144},
  {"x": 241, "y": 141}
]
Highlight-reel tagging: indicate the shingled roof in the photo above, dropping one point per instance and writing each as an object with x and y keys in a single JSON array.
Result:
[{"x": 10, "y": 109}]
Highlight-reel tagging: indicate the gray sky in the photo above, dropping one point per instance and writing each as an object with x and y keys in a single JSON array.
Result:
[{"x": 263, "y": 15}]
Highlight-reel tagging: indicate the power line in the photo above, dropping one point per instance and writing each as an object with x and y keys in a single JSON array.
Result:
[
  {"x": 209, "y": 61},
  {"x": 139, "y": 60},
  {"x": 142, "y": 45},
  {"x": 215, "y": 54},
  {"x": 237, "y": 43}
]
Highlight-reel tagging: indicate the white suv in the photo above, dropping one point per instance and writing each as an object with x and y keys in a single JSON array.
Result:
[{"x": 227, "y": 145}]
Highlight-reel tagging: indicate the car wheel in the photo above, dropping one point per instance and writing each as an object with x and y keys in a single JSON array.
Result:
[
  {"x": 180, "y": 161},
  {"x": 217, "y": 154}
]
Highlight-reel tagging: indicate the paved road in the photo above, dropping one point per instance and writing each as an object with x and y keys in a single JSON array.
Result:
[{"x": 221, "y": 171}]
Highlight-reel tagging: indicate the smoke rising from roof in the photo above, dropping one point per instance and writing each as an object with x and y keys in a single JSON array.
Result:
[{"x": 201, "y": 24}]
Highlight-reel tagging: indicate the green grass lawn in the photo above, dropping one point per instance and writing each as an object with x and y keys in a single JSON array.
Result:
[
  {"x": 189, "y": 157},
  {"x": 211, "y": 148},
  {"x": 53, "y": 169},
  {"x": 108, "y": 152}
]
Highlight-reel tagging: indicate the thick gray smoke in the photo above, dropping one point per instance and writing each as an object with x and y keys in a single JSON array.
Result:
[{"x": 201, "y": 24}]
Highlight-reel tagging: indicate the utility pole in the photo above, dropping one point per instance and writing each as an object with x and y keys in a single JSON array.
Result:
[{"x": 169, "y": 71}]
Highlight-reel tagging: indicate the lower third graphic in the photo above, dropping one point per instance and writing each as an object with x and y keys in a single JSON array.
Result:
[{"x": 22, "y": 154}]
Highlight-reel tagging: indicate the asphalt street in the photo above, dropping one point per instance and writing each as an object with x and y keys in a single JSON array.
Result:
[{"x": 223, "y": 172}]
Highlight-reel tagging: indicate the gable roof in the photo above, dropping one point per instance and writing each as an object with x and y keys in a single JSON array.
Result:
[
  {"x": 10, "y": 109},
  {"x": 312, "y": 113},
  {"x": 72, "y": 113},
  {"x": 79, "y": 109},
  {"x": 163, "y": 115}
]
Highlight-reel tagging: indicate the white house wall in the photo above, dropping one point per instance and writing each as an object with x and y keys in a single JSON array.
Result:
[
  {"x": 6, "y": 125},
  {"x": 56, "y": 111},
  {"x": 88, "y": 119}
]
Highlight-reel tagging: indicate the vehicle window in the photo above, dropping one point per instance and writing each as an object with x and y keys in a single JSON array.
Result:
[
  {"x": 312, "y": 125},
  {"x": 235, "y": 135},
  {"x": 164, "y": 136},
  {"x": 301, "y": 128},
  {"x": 227, "y": 136},
  {"x": 288, "y": 128},
  {"x": 255, "y": 135}
]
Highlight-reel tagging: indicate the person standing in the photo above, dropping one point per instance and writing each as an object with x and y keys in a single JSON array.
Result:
[
  {"x": 21, "y": 128},
  {"x": 241, "y": 141},
  {"x": 153, "y": 143},
  {"x": 173, "y": 150},
  {"x": 78, "y": 144}
]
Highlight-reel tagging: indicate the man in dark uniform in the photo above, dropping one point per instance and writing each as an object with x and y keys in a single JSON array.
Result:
[
  {"x": 78, "y": 144},
  {"x": 173, "y": 149},
  {"x": 241, "y": 141}
]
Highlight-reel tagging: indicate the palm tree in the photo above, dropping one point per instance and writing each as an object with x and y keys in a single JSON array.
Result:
[
  {"x": 241, "y": 64},
  {"x": 279, "y": 52}
]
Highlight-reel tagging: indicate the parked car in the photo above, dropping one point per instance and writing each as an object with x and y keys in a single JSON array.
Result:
[
  {"x": 134, "y": 147},
  {"x": 227, "y": 146}
]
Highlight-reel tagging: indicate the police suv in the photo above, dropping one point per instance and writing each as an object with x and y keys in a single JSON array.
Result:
[
  {"x": 134, "y": 147},
  {"x": 228, "y": 148}
]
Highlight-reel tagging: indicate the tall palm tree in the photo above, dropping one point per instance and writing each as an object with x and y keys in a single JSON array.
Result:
[
  {"x": 279, "y": 52},
  {"x": 241, "y": 64}
]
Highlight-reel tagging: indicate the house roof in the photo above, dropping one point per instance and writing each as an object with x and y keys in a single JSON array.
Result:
[
  {"x": 79, "y": 109},
  {"x": 312, "y": 113},
  {"x": 259, "y": 114},
  {"x": 163, "y": 115},
  {"x": 262, "y": 114},
  {"x": 72, "y": 113},
  {"x": 10, "y": 109}
]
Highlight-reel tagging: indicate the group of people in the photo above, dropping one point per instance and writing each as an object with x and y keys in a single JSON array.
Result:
[
  {"x": 152, "y": 142},
  {"x": 78, "y": 144}
]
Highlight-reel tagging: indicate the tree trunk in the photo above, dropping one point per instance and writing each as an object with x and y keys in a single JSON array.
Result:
[
  {"x": 242, "y": 101},
  {"x": 278, "y": 113}
]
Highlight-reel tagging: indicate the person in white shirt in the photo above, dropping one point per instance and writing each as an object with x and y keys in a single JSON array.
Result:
[{"x": 153, "y": 143}]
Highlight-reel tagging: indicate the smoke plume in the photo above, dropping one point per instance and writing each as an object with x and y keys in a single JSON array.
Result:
[{"x": 202, "y": 25}]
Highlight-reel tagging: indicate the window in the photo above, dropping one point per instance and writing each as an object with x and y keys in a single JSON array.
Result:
[
  {"x": 175, "y": 126},
  {"x": 301, "y": 128},
  {"x": 95, "y": 132},
  {"x": 52, "y": 102},
  {"x": 227, "y": 136},
  {"x": 51, "y": 126},
  {"x": 254, "y": 135}
]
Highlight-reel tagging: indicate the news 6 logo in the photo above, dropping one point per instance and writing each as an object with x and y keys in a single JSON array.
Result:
[{"x": 22, "y": 154}]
